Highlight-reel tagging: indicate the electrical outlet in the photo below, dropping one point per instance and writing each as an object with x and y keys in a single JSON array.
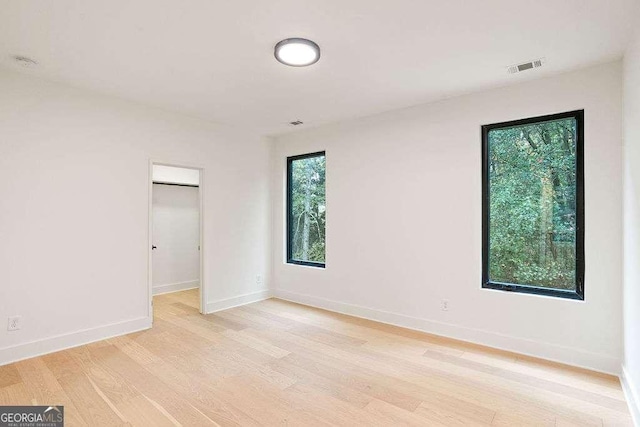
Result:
[
  {"x": 14, "y": 323},
  {"x": 444, "y": 305},
  {"x": 258, "y": 279}
]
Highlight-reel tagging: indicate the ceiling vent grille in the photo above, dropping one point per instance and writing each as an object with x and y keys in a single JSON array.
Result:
[
  {"x": 525, "y": 66},
  {"x": 24, "y": 61},
  {"x": 296, "y": 123}
]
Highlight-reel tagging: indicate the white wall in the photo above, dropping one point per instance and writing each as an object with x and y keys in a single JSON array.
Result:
[
  {"x": 176, "y": 236},
  {"x": 404, "y": 221},
  {"x": 631, "y": 294},
  {"x": 175, "y": 175},
  {"x": 74, "y": 209}
]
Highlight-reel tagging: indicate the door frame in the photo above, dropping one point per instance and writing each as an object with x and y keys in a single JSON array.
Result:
[{"x": 203, "y": 291}]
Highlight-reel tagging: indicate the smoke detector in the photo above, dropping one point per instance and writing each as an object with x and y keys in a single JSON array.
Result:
[
  {"x": 296, "y": 123},
  {"x": 536, "y": 63},
  {"x": 24, "y": 61}
]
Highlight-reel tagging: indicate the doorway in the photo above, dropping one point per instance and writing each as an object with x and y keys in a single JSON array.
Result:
[{"x": 175, "y": 235}]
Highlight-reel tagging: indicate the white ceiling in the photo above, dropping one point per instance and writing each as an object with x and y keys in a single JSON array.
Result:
[{"x": 214, "y": 59}]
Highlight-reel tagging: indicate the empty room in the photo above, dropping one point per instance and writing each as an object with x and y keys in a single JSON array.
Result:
[{"x": 311, "y": 213}]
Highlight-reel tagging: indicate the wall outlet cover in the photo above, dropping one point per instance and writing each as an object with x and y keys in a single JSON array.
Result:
[{"x": 14, "y": 323}]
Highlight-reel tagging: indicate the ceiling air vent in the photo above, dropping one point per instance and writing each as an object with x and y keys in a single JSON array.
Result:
[
  {"x": 526, "y": 66},
  {"x": 296, "y": 123},
  {"x": 24, "y": 61}
]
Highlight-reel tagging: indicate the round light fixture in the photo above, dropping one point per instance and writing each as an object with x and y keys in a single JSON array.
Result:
[{"x": 297, "y": 52}]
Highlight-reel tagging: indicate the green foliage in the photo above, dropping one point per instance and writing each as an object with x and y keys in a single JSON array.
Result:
[
  {"x": 532, "y": 179},
  {"x": 308, "y": 209}
]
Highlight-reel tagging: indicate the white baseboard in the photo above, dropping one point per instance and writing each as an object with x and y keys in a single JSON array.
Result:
[
  {"x": 31, "y": 349},
  {"x": 224, "y": 304},
  {"x": 553, "y": 352},
  {"x": 74, "y": 339},
  {"x": 175, "y": 287},
  {"x": 632, "y": 393}
]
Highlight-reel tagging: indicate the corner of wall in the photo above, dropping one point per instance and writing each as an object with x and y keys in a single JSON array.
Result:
[
  {"x": 632, "y": 394},
  {"x": 631, "y": 290}
]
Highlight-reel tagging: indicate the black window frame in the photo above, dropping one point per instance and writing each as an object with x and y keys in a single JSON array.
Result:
[
  {"x": 578, "y": 294},
  {"x": 289, "y": 213}
]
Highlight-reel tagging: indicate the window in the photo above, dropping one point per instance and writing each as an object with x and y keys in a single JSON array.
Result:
[
  {"x": 306, "y": 209},
  {"x": 533, "y": 205}
]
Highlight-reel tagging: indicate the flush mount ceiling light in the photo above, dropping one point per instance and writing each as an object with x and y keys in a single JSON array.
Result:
[{"x": 297, "y": 52}]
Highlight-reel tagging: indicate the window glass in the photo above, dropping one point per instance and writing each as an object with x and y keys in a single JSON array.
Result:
[
  {"x": 533, "y": 207},
  {"x": 306, "y": 208}
]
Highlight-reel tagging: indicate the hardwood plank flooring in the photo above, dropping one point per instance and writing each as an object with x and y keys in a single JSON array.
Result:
[{"x": 279, "y": 363}]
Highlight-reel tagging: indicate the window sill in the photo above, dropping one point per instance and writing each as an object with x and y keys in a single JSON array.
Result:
[
  {"x": 305, "y": 264},
  {"x": 534, "y": 290}
]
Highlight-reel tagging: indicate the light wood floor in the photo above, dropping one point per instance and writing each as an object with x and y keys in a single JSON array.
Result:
[{"x": 278, "y": 363}]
